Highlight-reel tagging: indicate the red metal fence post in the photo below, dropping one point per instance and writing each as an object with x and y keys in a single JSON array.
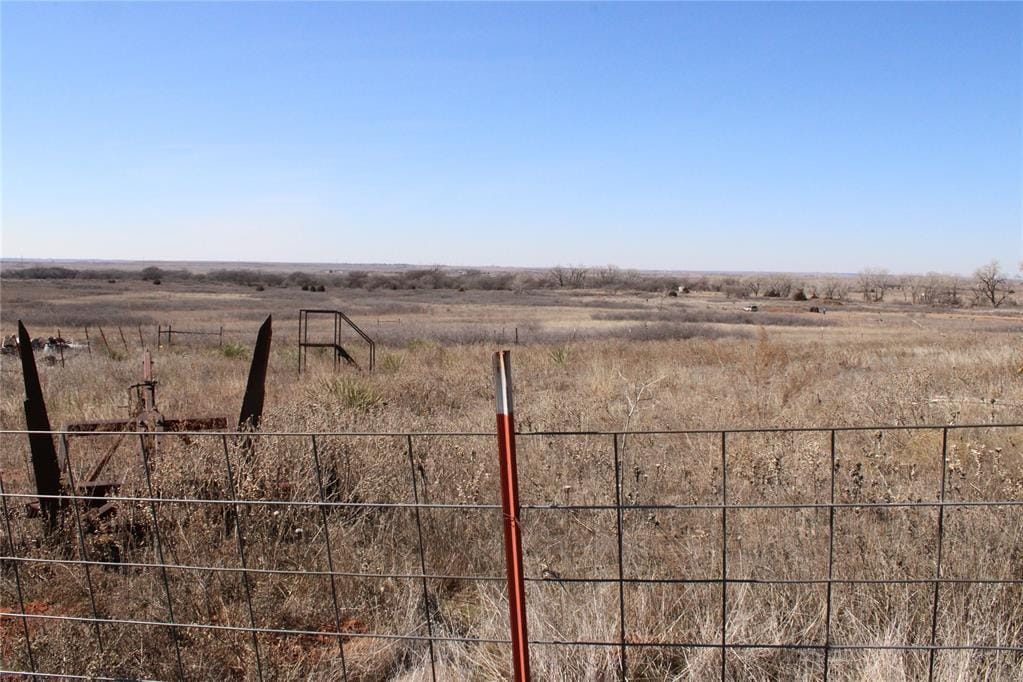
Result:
[{"x": 510, "y": 514}]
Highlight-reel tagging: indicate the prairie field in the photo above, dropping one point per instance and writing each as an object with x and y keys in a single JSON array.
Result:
[{"x": 611, "y": 368}]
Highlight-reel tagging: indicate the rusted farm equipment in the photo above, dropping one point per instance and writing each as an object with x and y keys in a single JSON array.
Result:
[
  {"x": 51, "y": 466},
  {"x": 339, "y": 354}
]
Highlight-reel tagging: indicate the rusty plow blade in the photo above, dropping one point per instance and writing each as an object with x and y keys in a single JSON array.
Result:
[
  {"x": 255, "y": 389},
  {"x": 44, "y": 455}
]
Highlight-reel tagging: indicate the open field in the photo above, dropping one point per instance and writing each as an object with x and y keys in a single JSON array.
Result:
[{"x": 587, "y": 360}]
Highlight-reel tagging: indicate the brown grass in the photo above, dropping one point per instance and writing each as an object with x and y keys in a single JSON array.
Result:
[{"x": 867, "y": 365}]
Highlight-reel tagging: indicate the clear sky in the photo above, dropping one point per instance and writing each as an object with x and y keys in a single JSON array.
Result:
[{"x": 806, "y": 137}]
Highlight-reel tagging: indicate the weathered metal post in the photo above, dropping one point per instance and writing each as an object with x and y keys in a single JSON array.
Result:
[
  {"x": 106, "y": 345},
  {"x": 255, "y": 388},
  {"x": 40, "y": 440},
  {"x": 510, "y": 512}
]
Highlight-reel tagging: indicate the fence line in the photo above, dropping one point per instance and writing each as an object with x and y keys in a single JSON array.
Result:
[
  {"x": 168, "y": 331},
  {"x": 239, "y": 507}
]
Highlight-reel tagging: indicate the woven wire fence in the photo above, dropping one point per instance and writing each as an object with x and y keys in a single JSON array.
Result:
[{"x": 732, "y": 554}]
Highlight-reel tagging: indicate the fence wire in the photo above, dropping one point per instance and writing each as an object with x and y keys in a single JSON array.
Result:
[{"x": 252, "y": 516}]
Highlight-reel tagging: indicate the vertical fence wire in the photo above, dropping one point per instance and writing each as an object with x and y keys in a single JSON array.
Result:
[
  {"x": 158, "y": 541},
  {"x": 422, "y": 558},
  {"x": 17, "y": 578},
  {"x": 831, "y": 564},
  {"x": 623, "y": 663},
  {"x": 239, "y": 533},
  {"x": 83, "y": 552},
  {"x": 724, "y": 558},
  {"x": 330, "y": 559},
  {"x": 937, "y": 562}
]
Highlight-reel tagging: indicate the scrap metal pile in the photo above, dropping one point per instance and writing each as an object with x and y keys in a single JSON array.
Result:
[{"x": 52, "y": 347}]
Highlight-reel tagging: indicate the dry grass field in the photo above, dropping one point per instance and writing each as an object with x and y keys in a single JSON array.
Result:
[{"x": 586, "y": 360}]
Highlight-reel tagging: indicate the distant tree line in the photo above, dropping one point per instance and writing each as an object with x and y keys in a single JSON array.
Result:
[{"x": 990, "y": 285}]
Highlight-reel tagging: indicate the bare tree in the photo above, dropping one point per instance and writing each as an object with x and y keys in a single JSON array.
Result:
[
  {"x": 608, "y": 276},
  {"x": 778, "y": 286},
  {"x": 753, "y": 284},
  {"x": 938, "y": 289},
  {"x": 909, "y": 286},
  {"x": 577, "y": 276},
  {"x": 834, "y": 289},
  {"x": 992, "y": 284},
  {"x": 559, "y": 275},
  {"x": 873, "y": 283}
]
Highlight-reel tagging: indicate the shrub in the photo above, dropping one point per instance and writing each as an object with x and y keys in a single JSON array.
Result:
[
  {"x": 234, "y": 351},
  {"x": 392, "y": 362},
  {"x": 559, "y": 356},
  {"x": 422, "y": 344},
  {"x": 351, "y": 393}
]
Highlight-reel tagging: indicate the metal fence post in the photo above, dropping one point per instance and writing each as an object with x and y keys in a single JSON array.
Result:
[
  {"x": 623, "y": 667},
  {"x": 724, "y": 559},
  {"x": 510, "y": 513},
  {"x": 937, "y": 563},
  {"x": 831, "y": 565}
]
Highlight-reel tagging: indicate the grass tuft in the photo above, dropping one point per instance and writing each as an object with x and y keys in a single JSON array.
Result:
[{"x": 234, "y": 351}]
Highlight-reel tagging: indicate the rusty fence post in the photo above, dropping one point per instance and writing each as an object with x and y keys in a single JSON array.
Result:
[
  {"x": 510, "y": 513},
  {"x": 106, "y": 345}
]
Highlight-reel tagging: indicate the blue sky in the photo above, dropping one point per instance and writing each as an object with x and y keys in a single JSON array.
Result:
[{"x": 805, "y": 137}]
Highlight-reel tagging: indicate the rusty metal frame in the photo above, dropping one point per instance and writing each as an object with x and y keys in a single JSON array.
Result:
[{"x": 339, "y": 353}]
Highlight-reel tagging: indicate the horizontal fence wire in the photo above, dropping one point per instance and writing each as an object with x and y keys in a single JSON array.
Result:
[{"x": 237, "y": 506}]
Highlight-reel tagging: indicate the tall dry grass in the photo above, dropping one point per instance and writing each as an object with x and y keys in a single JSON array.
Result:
[{"x": 587, "y": 375}]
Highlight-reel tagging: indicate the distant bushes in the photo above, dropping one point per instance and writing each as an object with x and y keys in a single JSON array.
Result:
[
  {"x": 402, "y": 280},
  {"x": 714, "y": 316},
  {"x": 931, "y": 289},
  {"x": 436, "y": 278}
]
